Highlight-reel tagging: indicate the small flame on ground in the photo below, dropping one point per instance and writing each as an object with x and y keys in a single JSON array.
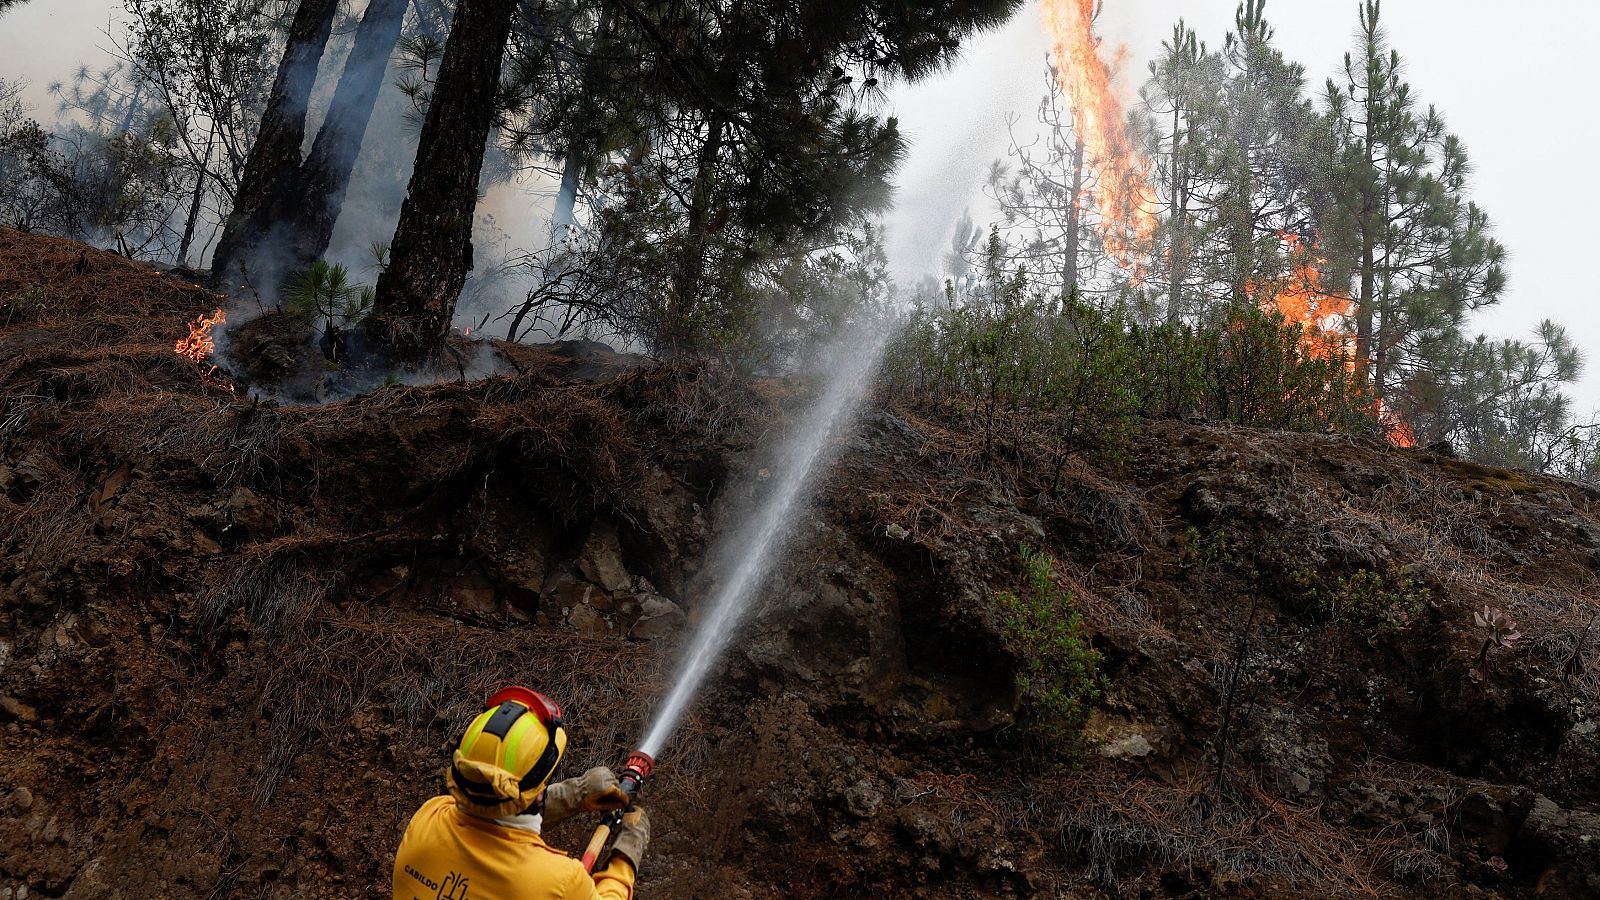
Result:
[
  {"x": 1121, "y": 190},
  {"x": 198, "y": 346}
]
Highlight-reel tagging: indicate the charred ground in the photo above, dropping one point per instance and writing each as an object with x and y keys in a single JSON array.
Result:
[{"x": 237, "y": 635}]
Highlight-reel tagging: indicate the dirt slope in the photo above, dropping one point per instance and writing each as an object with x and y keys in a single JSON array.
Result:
[{"x": 236, "y": 636}]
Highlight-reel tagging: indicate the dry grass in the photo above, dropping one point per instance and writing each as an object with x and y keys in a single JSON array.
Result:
[{"x": 1121, "y": 826}]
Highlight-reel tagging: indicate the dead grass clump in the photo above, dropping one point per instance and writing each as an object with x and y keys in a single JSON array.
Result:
[
  {"x": 277, "y": 590},
  {"x": 711, "y": 402},
  {"x": 567, "y": 448},
  {"x": 1111, "y": 514},
  {"x": 1120, "y": 827},
  {"x": 46, "y": 279},
  {"x": 42, "y": 526},
  {"x": 339, "y": 672}
]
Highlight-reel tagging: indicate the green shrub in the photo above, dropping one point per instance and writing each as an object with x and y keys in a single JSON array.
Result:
[
  {"x": 1371, "y": 604},
  {"x": 1061, "y": 674},
  {"x": 1032, "y": 368},
  {"x": 1026, "y": 367},
  {"x": 1259, "y": 374},
  {"x": 1195, "y": 550}
]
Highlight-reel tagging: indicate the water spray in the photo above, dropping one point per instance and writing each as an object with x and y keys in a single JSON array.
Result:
[{"x": 754, "y": 548}]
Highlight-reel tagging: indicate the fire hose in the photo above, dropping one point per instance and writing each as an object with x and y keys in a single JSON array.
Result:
[{"x": 634, "y": 772}]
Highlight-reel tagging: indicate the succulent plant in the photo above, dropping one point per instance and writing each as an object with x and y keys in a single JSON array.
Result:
[
  {"x": 1502, "y": 633},
  {"x": 1501, "y": 627}
]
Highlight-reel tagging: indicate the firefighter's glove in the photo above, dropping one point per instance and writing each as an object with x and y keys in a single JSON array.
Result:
[
  {"x": 594, "y": 791},
  {"x": 632, "y": 836}
]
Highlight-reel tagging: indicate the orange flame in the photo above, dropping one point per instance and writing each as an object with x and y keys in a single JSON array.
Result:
[
  {"x": 1122, "y": 192},
  {"x": 1322, "y": 315},
  {"x": 1396, "y": 429},
  {"x": 198, "y": 346},
  {"x": 1324, "y": 320}
]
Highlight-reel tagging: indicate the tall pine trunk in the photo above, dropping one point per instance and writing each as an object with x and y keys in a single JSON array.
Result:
[
  {"x": 1178, "y": 263},
  {"x": 691, "y": 265},
  {"x": 325, "y": 177},
  {"x": 1069, "y": 284},
  {"x": 1367, "y": 309},
  {"x": 432, "y": 249},
  {"x": 272, "y": 169}
]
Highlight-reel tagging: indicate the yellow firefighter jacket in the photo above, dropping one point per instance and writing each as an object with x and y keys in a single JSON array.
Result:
[{"x": 447, "y": 854}]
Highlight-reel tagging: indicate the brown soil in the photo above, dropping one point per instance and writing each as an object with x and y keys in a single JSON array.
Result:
[{"x": 236, "y": 636}]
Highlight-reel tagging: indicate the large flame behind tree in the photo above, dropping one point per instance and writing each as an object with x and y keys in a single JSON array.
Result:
[
  {"x": 1324, "y": 320},
  {"x": 1121, "y": 192}
]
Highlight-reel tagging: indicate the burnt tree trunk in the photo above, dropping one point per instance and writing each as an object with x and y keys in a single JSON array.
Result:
[
  {"x": 326, "y": 174},
  {"x": 432, "y": 249},
  {"x": 272, "y": 169}
]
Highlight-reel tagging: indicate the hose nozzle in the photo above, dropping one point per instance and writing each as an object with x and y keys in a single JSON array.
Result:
[{"x": 635, "y": 771}]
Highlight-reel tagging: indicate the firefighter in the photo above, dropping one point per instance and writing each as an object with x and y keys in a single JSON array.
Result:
[{"x": 482, "y": 840}]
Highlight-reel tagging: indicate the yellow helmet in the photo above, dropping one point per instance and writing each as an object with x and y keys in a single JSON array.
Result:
[{"x": 507, "y": 754}]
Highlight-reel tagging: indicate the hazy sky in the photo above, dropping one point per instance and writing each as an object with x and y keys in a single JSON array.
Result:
[{"x": 1515, "y": 82}]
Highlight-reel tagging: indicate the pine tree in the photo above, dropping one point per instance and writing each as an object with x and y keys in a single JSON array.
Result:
[
  {"x": 752, "y": 139},
  {"x": 431, "y": 253},
  {"x": 1423, "y": 256},
  {"x": 1264, "y": 160},
  {"x": 1179, "y": 118},
  {"x": 271, "y": 171},
  {"x": 1045, "y": 192}
]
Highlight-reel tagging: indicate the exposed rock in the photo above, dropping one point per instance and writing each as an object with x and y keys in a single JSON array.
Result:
[
  {"x": 1298, "y": 760},
  {"x": 564, "y": 591},
  {"x": 1133, "y": 745},
  {"x": 658, "y": 618},
  {"x": 474, "y": 593},
  {"x": 1492, "y": 816},
  {"x": 101, "y": 500},
  {"x": 12, "y": 708},
  {"x": 601, "y": 561},
  {"x": 246, "y": 508},
  {"x": 863, "y": 799},
  {"x": 1564, "y": 845},
  {"x": 926, "y": 831},
  {"x": 588, "y": 622},
  {"x": 19, "y": 801}
]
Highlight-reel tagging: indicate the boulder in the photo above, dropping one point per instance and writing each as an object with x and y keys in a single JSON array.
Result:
[
  {"x": 1564, "y": 847},
  {"x": 587, "y": 622},
  {"x": 601, "y": 561},
  {"x": 658, "y": 618}
]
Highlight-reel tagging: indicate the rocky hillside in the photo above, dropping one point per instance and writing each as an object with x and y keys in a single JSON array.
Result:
[{"x": 237, "y": 635}]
